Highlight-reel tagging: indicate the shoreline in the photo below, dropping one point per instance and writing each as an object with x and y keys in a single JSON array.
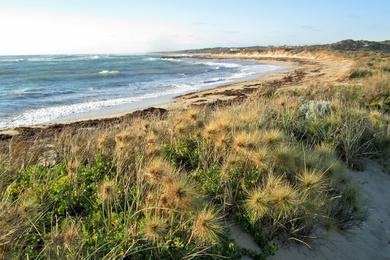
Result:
[
  {"x": 297, "y": 69},
  {"x": 163, "y": 102},
  {"x": 168, "y": 101}
]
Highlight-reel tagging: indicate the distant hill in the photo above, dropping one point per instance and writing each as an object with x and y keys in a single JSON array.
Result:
[
  {"x": 351, "y": 45},
  {"x": 344, "y": 45}
]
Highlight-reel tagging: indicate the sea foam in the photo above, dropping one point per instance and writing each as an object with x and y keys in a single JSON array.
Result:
[
  {"x": 48, "y": 114},
  {"x": 74, "y": 87},
  {"x": 109, "y": 72}
]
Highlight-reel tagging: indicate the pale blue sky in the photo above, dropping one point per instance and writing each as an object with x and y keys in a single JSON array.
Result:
[{"x": 120, "y": 26}]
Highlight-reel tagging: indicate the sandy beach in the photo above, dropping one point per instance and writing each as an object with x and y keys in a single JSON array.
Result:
[{"x": 306, "y": 70}]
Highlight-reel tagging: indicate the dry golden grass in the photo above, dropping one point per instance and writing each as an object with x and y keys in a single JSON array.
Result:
[
  {"x": 377, "y": 84},
  {"x": 259, "y": 157},
  {"x": 246, "y": 141},
  {"x": 272, "y": 137},
  {"x": 275, "y": 199},
  {"x": 207, "y": 227},
  {"x": 284, "y": 201},
  {"x": 155, "y": 228},
  {"x": 159, "y": 171},
  {"x": 257, "y": 204},
  {"x": 71, "y": 234},
  {"x": 312, "y": 181},
  {"x": 223, "y": 122},
  {"x": 107, "y": 191},
  {"x": 180, "y": 193}
]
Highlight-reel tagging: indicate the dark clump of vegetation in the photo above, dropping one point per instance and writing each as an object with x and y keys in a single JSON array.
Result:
[
  {"x": 166, "y": 188},
  {"x": 360, "y": 74}
]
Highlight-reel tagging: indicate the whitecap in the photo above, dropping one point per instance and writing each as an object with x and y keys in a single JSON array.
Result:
[
  {"x": 12, "y": 60},
  {"x": 218, "y": 65},
  {"x": 214, "y": 64},
  {"x": 151, "y": 59},
  {"x": 109, "y": 72},
  {"x": 49, "y": 114},
  {"x": 40, "y": 59}
]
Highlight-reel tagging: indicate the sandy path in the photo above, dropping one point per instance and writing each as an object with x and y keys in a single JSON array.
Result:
[{"x": 370, "y": 240}]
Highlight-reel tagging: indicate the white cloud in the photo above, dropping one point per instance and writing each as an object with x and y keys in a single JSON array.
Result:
[{"x": 46, "y": 33}]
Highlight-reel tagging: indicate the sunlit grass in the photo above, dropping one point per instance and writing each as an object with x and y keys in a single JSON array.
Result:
[{"x": 165, "y": 187}]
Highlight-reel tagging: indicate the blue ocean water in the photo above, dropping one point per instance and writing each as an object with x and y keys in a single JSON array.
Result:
[{"x": 43, "y": 89}]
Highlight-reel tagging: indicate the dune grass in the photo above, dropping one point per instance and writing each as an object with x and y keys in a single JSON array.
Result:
[{"x": 166, "y": 188}]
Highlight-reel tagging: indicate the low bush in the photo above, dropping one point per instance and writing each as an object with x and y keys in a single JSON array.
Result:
[{"x": 360, "y": 74}]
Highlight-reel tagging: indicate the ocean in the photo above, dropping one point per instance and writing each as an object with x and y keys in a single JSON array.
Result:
[{"x": 47, "y": 89}]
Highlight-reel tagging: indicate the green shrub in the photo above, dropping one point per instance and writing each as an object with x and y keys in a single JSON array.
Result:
[
  {"x": 381, "y": 103},
  {"x": 360, "y": 74},
  {"x": 210, "y": 180},
  {"x": 355, "y": 132},
  {"x": 183, "y": 153}
]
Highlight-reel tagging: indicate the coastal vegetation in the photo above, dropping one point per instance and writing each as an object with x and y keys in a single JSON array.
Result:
[{"x": 170, "y": 186}]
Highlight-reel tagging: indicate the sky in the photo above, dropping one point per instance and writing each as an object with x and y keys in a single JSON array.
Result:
[{"x": 138, "y": 26}]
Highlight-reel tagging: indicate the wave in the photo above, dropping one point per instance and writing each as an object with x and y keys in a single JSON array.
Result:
[
  {"x": 242, "y": 73},
  {"x": 28, "y": 94},
  {"x": 20, "y": 91},
  {"x": 49, "y": 114},
  {"x": 40, "y": 59},
  {"x": 215, "y": 64},
  {"x": 109, "y": 72},
  {"x": 48, "y": 59},
  {"x": 171, "y": 59},
  {"x": 78, "y": 58},
  {"x": 152, "y": 59},
  {"x": 65, "y": 58},
  {"x": 214, "y": 80},
  {"x": 105, "y": 93},
  {"x": 218, "y": 64},
  {"x": 12, "y": 60}
]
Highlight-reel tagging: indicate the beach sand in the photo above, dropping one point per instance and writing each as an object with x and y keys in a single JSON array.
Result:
[{"x": 369, "y": 240}]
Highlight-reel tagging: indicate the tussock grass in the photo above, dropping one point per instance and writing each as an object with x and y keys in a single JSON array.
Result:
[
  {"x": 165, "y": 187},
  {"x": 208, "y": 227}
]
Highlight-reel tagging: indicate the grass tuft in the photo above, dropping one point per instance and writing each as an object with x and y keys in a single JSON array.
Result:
[{"x": 208, "y": 227}]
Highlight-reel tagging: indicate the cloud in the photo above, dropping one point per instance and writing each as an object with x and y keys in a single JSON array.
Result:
[{"x": 44, "y": 33}]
